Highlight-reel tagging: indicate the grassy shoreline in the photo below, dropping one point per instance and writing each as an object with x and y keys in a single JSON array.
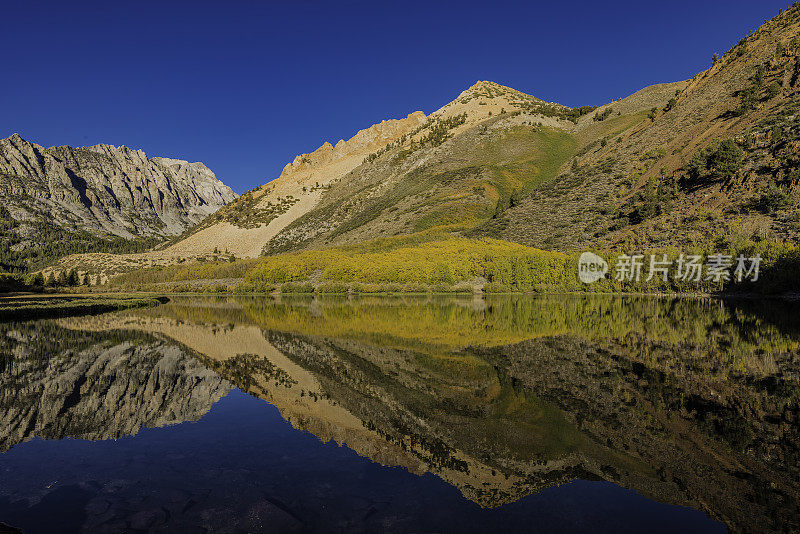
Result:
[{"x": 46, "y": 307}]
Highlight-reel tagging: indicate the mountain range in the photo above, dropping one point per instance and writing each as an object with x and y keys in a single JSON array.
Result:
[{"x": 692, "y": 163}]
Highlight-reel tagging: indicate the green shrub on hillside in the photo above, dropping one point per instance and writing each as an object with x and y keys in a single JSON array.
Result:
[
  {"x": 654, "y": 201},
  {"x": 772, "y": 200},
  {"x": 332, "y": 288},
  {"x": 414, "y": 288},
  {"x": 251, "y": 287},
  {"x": 773, "y": 90},
  {"x": 722, "y": 159},
  {"x": 599, "y": 117},
  {"x": 11, "y": 282}
]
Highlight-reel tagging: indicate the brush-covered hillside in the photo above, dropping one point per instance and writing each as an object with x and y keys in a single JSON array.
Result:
[
  {"x": 720, "y": 162},
  {"x": 451, "y": 172}
]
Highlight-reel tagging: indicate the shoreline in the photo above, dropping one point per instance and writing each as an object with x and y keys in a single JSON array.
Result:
[
  {"x": 47, "y": 307},
  {"x": 129, "y": 293}
]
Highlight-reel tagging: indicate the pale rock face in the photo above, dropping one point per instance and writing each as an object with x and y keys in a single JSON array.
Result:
[
  {"x": 105, "y": 189},
  {"x": 356, "y": 148}
]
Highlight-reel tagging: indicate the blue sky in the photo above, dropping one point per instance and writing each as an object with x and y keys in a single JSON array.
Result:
[{"x": 246, "y": 86}]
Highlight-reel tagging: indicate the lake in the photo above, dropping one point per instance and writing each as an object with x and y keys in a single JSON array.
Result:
[{"x": 404, "y": 414}]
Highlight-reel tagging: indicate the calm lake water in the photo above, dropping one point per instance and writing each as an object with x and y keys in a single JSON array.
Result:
[{"x": 553, "y": 414}]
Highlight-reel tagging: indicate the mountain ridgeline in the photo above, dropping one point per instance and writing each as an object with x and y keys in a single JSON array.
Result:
[
  {"x": 498, "y": 162},
  {"x": 453, "y": 169}
]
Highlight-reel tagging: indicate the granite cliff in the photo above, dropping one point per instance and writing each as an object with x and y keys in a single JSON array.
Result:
[{"x": 105, "y": 190}]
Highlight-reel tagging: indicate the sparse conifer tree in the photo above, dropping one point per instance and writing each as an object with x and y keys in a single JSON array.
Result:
[{"x": 758, "y": 79}]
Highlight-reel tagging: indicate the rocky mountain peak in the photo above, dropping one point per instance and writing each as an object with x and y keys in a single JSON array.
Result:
[
  {"x": 487, "y": 88},
  {"x": 15, "y": 140}
]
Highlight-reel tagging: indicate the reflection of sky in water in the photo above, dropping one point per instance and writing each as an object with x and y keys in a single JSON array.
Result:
[{"x": 243, "y": 468}]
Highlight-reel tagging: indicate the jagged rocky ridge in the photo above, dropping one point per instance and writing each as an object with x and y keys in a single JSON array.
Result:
[{"x": 106, "y": 190}]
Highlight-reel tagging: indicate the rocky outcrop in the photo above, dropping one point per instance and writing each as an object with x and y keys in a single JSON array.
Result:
[
  {"x": 93, "y": 386},
  {"x": 105, "y": 189},
  {"x": 360, "y": 145}
]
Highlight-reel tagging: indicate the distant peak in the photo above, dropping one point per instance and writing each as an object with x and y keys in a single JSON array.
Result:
[{"x": 491, "y": 90}]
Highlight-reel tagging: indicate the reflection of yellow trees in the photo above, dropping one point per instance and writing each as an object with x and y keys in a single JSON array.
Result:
[
  {"x": 443, "y": 327},
  {"x": 450, "y": 325}
]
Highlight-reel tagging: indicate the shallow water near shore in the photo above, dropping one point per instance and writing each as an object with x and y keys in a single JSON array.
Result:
[{"x": 415, "y": 414}]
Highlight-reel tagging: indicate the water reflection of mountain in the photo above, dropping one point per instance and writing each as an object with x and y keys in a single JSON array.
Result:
[
  {"x": 57, "y": 383},
  {"x": 688, "y": 402}
]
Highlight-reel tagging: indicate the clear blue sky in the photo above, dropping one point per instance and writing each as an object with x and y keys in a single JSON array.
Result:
[{"x": 246, "y": 86}]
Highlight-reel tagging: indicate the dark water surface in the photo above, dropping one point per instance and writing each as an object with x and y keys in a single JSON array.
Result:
[{"x": 404, "y": 415}]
